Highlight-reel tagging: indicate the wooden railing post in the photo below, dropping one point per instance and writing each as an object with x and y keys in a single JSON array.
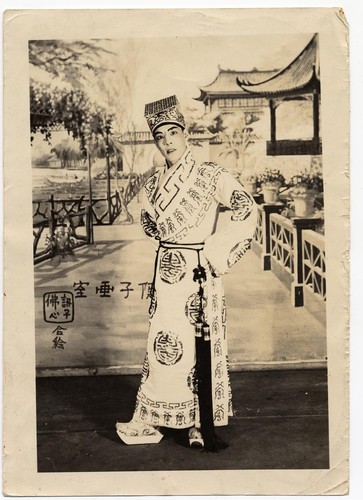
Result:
[
  {"x": 267, "y": 210},
  {"x": 108, "y": 169},
  {"x": 109, "y": 205},
  {"x": 51, "y": 201},
  {"x": 52, "y": 223},
  {"x": 89, "y": 224},
  {"x": 90, "y": 196},
  {"x": 297, "y": 286},
  {"x": 314, "y": 263}
]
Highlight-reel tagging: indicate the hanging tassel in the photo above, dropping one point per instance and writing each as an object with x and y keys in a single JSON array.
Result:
[
  {"x": 206, "y": 332},
  {"x": 212, "y": 442},
  {"x": 199, "y": 329}
]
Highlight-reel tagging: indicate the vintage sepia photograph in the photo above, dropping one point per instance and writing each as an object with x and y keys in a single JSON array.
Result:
[
  {"x": 224, "y": 172},
  {"x": 179, "y": 189}
]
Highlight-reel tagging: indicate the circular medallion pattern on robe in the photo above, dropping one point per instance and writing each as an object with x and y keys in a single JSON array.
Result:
[
  {"x": 168, "y": 348},
  {"x": 172, "y": 266},
  {"x": 192, "y": 307}
]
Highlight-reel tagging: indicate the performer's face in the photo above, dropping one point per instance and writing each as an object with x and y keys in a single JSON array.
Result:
[{"x": 171, "y": 142}]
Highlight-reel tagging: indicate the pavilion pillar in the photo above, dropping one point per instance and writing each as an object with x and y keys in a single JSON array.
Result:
[
  {"x": 272, "y": 105},
  {"x": 316, "y": 121}
]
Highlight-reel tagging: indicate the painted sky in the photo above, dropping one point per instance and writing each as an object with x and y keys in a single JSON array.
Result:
[
  {"x": 161, "y": 67},
  {"x": 158, "y": 67}
]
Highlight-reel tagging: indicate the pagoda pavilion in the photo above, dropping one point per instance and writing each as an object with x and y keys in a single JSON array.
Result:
[
  {"x": 300, "y": 80},
  {"x": 225, "y": 95}
]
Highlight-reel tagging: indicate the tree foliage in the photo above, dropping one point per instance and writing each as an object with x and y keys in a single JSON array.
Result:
[
  {"x": 71, "y": 61},
  {"x": 52, "y": 109},
  {"x": 67, "y": 152},
  {"x": 66, "y": 105},
  {"x": 237, "y": 136},
  {"x": 42, "y": 160},
  {"x": 233, "y": 130}
]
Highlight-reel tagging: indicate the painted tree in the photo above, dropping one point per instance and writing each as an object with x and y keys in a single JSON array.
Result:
[
  {"x": 68, "y": 152},
  {"x": 237, "y": 136},
  {"x": 62, "y": 77},
  {"x": 118, "y": 93},
  {"x": 73, "y": 111},
  {"x": 233, "y": 130},
  {"x": 70, "y": 61}
]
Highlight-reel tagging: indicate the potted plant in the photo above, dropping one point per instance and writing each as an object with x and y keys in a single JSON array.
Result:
[
  {"x": 250, "y": 183},
  {"x": 61, "y": 242},
  {"x": 305, "y": 186},
  {"x": 271, "y": 180}
]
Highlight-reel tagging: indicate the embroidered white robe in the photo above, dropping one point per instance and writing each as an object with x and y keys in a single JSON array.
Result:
[{"x": 181, "y": 207}]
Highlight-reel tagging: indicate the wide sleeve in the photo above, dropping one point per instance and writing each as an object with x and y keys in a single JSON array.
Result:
[
  {"x": 231, "y": 241},
  {"x": 147, "y": 214}
]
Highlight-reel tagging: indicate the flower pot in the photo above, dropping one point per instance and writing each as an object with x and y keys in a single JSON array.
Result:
[
  {"x": 250, "y": 187},
  {"x": 271, "y": 192},
  {"x": 304, "y": 204}
]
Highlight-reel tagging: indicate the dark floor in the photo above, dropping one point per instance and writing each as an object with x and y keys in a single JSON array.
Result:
[{"x": 281, "y": 422}]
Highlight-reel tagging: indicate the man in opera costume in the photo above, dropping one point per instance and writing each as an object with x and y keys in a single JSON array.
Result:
[{"x": 185, "y": 382}]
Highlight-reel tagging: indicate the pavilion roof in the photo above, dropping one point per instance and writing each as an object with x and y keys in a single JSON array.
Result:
[
  {"x": 226, "y": 84},
  {"x": 302, "y": 74}
]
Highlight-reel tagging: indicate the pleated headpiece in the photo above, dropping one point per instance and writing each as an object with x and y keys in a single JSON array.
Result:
[{"x": 164, "y": 111}]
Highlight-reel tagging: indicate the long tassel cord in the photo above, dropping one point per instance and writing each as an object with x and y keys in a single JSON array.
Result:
[{"x": 204, "y": 369}]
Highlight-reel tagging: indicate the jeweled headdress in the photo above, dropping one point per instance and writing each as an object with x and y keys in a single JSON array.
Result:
[{"x": 164, "y": 111}]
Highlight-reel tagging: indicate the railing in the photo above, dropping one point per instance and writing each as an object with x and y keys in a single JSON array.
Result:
[
  {"x": 135, "y": 138},
  {"x": 126, "y": 194},
  {"x": 99, "y": 211},
  {"x": 62, "y": 224},
  {"x": 258, "y": 236},
  {"x": 262, "y": 236},
  {"x": 293, "y": 147},
  {"x": 39, "y": 255},
  {"x": 76, "y": 213},
  {"x": 115, "y": 207},
  {"x": 105, "y": 212},
  {"x": 282, "y": 241},
  {"x": 314, "y": 263},
  {"x": 294, "y": 246},
  {"x": 132, "y": 188}
]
